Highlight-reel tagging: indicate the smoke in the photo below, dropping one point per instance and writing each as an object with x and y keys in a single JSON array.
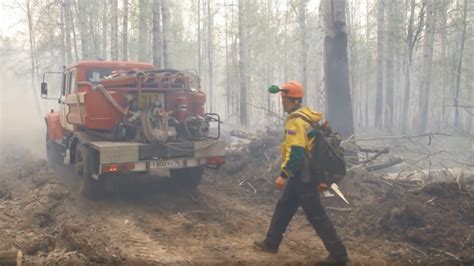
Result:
[{"x": 21, "y": 126}]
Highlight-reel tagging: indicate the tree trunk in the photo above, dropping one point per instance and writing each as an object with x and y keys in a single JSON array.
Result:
[
  {"x": 125, "y": 31},
  {"x": 379, "y": 62},
  {"x": 94, "y": 43},
  {"x": 199, "y": 41},
  {"x": 156, "y": 33},
  {"x": 83, "y": 30},
  {"x": 409, "y": 56},
  {"x": 367, "y": 68},
  {"x": 336, "y": 68},
  {"x": 457, "y": 119},
  {"x": 114, "y": 30},
  {"x": 142, "y": 31},
  {"x": 167, "y": 33},
  {"x": 425, "y": 83},
  {"x": 209, "y": 53},
  {"x": 31, "y": 32},
  {"x": 243, "y": 64},
  {"x": 104, "y": 30},
  {"x": 390, "y": 85},
  {"x": 67, "y": 24},
  {"x": 62, "y": 33},
  {"x": 443, "y": 32},
  {"x": 304, "y": 46},
  {"x": 227, "y": 70}
]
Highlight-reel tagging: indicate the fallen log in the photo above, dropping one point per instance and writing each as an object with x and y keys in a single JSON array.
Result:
[
  {"x": 391, "y": 162},
  {"x": 444, "y": 175},
  {"x": 11, "y": 257},
  {"x": 243, "y": 134}
]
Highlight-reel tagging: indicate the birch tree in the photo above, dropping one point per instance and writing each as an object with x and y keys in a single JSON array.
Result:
[
  {"x": 379, "y": 63},
  {"x": 425, "y": 82},
  {"x": 156, "y": 34},
  {"x": 243, "y": 63},
  {"x": 142, "y": 31},
  {"x": 304, "y": 46},
  {"x": 125, "y": 31},
  {"x": 457, "y": 119},
  {"x": 210, "y": 60},
  {"x": 114, "y": 30},
  {"x": 167, "y": 33}
]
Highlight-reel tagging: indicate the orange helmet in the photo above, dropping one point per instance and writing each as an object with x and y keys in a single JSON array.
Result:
[{"x": 292, "y": 89}]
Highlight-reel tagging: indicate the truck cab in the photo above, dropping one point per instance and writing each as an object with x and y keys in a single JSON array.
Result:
[{"x": 118, "y": 117}]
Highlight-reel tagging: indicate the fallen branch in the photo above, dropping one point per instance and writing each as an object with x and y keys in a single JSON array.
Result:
[
  {"x": 250, "y": 185},
  {"x": 269, "y": 113},
  {"x": 405, "y": 137},
  {"x": 339, "y": 209},
  {"x": 419, "y": 160},
  {"x": 391, "y": 162},
  {"x": 243, "y": 134}
]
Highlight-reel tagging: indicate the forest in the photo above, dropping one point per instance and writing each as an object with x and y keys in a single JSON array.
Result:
[
  {"x": 411, "y": 61},
  {"x": 136, "y": 166}
]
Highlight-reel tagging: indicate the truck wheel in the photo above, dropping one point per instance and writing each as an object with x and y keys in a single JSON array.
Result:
[
  {"x": 187, "y": 178},
  {"x": 54, "y": 153},
  {"x": 90, "y": 188}
]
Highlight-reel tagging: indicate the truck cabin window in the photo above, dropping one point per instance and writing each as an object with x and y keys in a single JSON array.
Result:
[{"x": 95, "y": 75}]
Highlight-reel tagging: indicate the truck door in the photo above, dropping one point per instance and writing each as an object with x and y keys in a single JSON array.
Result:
[{"x": 69, "y": 82}]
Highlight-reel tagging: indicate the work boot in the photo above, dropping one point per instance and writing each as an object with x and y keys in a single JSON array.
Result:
[
  {"x": 333, "y": 260},
  {"x": 263, "y": 246}
]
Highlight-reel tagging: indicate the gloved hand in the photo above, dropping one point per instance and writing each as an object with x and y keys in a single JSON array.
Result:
[
  {"x": 280, "y": 182},
  {"x": 322, "y": 187}
]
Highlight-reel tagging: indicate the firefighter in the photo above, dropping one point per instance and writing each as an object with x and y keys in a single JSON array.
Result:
[{"x": 300, "y": 188}]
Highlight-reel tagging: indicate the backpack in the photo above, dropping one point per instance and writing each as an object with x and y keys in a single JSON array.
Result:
[{"x": 326, "y": 158}]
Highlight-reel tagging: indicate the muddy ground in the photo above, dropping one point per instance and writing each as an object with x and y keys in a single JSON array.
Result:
[{"x": 147, "y": 220}]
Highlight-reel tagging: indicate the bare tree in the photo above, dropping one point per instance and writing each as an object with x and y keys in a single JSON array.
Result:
[
  {"x": 379, "y": 63},
  {"x": 62, "y": 31},
  {"x": 125, "y": 31},
  {"x": 156, "y": 34},
  {"x": 114, "y": 30},
  {"x": 31, "y": 32},
  {"x": 390, "y": 58},
  {"x": 83, "y": 29},
  {"x": 336, "y": 67},
  {"x": 105, "y": 30},
  {"x": 413, "y": 36},
  {"x": 167, "y": 33},
  {"x": 67, "y": 27},
  {"x": 142, "y": 31},
  {"x": 425, "y": 82},
  {"x": 304, "y": 46},
  {"x": 457, "y": 120},
  {"x": 199, "y": 41},
  {"x": 210, "y": 44},
  {"x": 243, "y": 64}
]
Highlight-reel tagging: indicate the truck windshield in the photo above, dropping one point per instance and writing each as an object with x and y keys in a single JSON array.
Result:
[{"x": 95, "y": 75}]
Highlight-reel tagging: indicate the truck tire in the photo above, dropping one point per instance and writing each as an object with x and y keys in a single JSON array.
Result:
[
  {"x": 187, "y": 178},
  {"x": 85, "y": 167},
  {"x": 54, "y": 153}
]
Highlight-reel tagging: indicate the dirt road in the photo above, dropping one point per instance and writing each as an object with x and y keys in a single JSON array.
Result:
[{"x": 147, "y": 220}]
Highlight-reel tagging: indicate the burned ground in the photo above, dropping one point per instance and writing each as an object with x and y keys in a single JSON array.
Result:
[{"x": 146, "y": 220}]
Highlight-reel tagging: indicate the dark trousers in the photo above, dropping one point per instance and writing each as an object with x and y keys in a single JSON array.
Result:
[{"x": 298, "y": 193}]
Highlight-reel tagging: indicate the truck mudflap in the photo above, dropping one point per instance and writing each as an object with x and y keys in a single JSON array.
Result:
[{"x": 124, "y": 157}]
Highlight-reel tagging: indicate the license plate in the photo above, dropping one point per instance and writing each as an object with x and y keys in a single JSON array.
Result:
[{"x": 167, "y": 164}]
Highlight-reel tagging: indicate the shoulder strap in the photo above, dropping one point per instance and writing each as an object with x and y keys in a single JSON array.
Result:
[{"x": 313, "y": 124}]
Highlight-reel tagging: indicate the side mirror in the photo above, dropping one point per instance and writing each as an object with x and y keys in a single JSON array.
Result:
[{"x": 44, "y": 90}]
